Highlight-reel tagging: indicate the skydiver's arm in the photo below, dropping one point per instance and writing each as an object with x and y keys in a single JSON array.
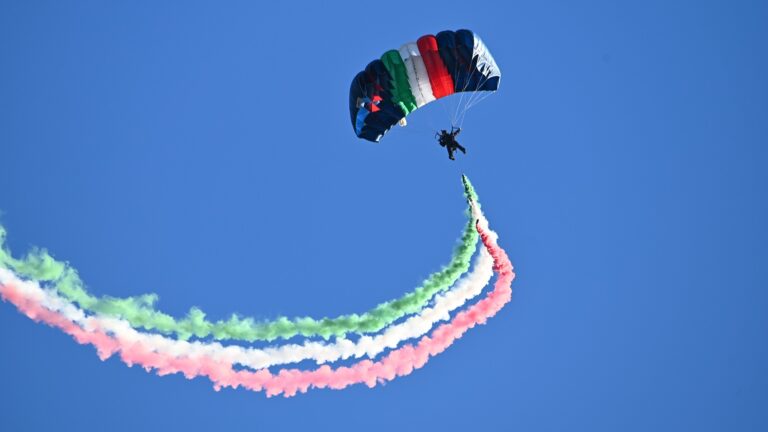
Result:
[{"x": 456, "y": 132}]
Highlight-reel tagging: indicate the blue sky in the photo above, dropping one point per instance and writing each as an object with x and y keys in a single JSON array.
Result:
[{"x": 204, "y": 152}]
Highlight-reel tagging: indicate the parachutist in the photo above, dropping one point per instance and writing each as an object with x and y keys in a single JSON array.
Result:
[
  {"x": 403, "y": 80},
  {"x": 448, "y": 140}
]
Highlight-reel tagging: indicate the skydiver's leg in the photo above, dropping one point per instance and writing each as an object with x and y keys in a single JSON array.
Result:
[
  {"x": 463, "y": 150},
  {"x": 450, "y": 153}
]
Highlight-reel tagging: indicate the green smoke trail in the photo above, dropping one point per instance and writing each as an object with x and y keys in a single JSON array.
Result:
[{"x": 141, "y": 313}]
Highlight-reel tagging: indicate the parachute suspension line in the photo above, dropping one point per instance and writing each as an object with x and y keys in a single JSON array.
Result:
[
  {"x": 432, "y": 124},
  {"x": 473, "y": 100},
  {"x": 480, "y": 99},
  {"x": 462, "y": 114},
  {"x": 443, "y": 103},
  {"x": 462, "y": 92},
  {"x": 457, "y": 115},
  {"x": 483, "y": 79},
  {"x": 461, "y": 96},
  {"x": 473, "y": 103},
  {"x": 454, "y": 106}
]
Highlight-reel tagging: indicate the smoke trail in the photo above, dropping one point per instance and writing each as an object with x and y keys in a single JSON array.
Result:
[
  {"x": 140, "y": 311},
  {"x": 466, "y": 288},
  {"x": 400, "y": 362}
]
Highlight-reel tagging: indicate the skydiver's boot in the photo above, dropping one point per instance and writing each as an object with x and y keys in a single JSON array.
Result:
[
  {"x": 450, "y": 154},
  {"x": 463, "y": 150}
]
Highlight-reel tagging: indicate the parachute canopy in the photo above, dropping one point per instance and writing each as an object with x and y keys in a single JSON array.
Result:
[{"x": 418, "y": 73}]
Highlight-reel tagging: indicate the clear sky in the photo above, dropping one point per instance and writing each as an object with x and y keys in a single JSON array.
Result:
[{"x": 203, "y": 151}]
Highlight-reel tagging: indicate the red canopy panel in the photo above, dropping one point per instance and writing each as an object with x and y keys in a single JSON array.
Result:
[{"x": 439, "y": 77}]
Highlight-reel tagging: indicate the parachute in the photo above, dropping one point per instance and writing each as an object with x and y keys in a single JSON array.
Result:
[{"x": 404, "y": 80}]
